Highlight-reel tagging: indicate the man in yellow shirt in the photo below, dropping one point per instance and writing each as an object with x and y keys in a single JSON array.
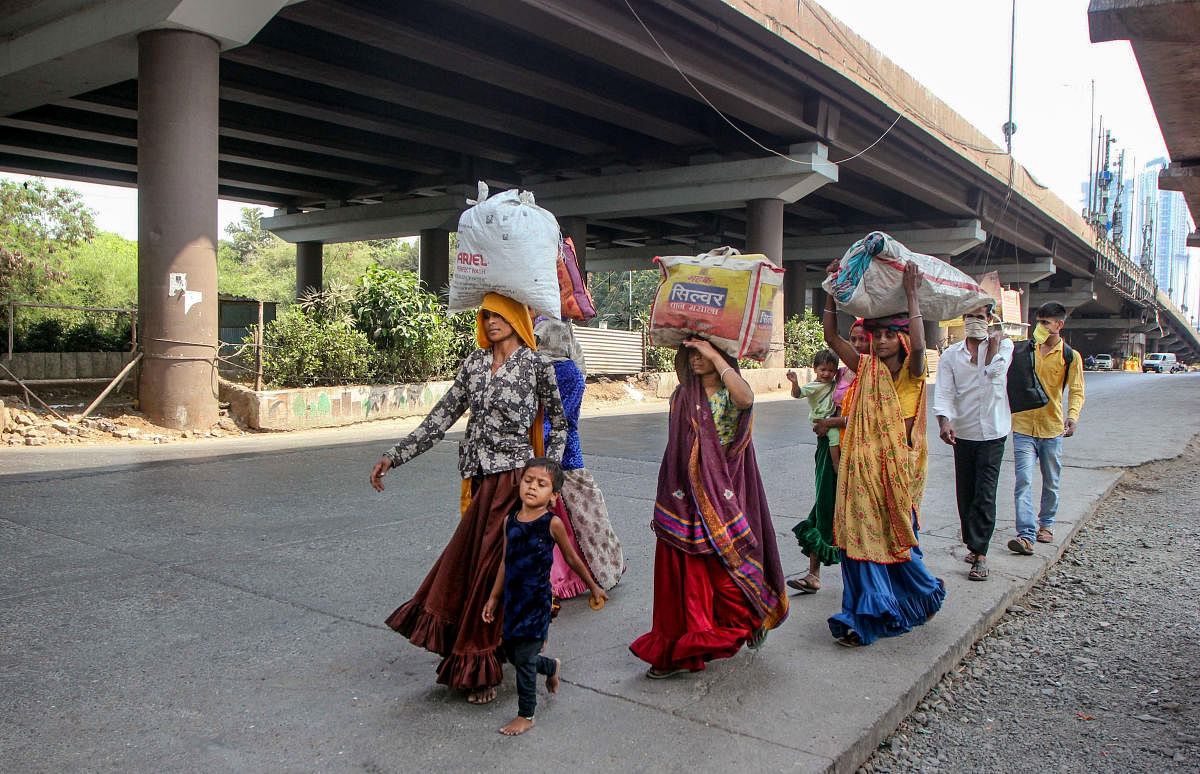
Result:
[{"x": 1038, "y": 433}]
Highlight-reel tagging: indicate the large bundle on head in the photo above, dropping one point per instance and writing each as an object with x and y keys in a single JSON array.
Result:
[
  {"x": 577, "y": 301},
  {"x": 507, "y": 245},
  {"x": 870, "y": 276},
  {"x": 720, "y": 296}
]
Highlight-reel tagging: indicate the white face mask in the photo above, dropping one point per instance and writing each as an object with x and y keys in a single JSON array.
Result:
[{"x": 975, "y": 328}]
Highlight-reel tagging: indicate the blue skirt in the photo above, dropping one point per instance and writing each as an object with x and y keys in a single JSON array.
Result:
[{"x": 886, "y": 600}]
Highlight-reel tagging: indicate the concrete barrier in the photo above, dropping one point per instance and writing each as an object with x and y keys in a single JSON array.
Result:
[
  {"x": 308, "y": 407},
  {"x": 67, "y": 365},
  {"x": 761, "y": 380}
]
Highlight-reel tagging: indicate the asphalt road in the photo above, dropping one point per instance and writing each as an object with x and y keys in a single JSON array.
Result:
[{"x": 219, "y": 607}]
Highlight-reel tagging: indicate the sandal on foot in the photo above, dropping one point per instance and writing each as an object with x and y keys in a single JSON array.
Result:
[
  {"x": 809, "y": 584},
  {"x": 758, "y": 639},
  {"x": 1044, "y": 535},
  {"x": 849, "y": 640},
  {"x": 1021, "y": 546},
  {"x": 663, "y": 674},
  {"x": 979, "y": 570},
  {"x": 970, "y": 557}
]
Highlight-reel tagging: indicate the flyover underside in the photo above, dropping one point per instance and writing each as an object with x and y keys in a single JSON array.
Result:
[{"x": 339, "y": 107}]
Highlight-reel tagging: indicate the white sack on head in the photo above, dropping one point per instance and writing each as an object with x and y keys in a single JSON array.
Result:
[
  {"x": 869, "y": 282},
  {"x": 507, "y": 245}
]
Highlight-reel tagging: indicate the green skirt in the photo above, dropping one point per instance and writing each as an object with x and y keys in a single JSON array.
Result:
[{"x": 815, "y": 534}]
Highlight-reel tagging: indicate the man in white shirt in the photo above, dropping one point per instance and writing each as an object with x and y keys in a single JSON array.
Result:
[{"x": 971, "y": 405}]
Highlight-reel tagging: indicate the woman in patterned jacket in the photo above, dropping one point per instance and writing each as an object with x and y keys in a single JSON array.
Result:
[{"x": 507, "y": 386}]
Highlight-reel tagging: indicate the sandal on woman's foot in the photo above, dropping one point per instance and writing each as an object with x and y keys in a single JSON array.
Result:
[
  {"x": 663, "y": 674},
  {"x": 485, "y": 696},
  {"x": 849, "y": 640},
  {"x": 809, "y": 584},
  {"x": 979, "y": 570},
  {"x": 758, "y": 639}
]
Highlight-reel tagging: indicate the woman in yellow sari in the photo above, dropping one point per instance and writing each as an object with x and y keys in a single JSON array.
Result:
[{"x": 886, "y": 588}]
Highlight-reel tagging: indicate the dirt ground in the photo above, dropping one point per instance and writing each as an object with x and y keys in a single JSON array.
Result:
[{"x": 1095, "y": 670}]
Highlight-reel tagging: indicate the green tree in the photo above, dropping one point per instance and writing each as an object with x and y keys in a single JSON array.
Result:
[
  {"x": 39, "y": 227},
  {"x": 612, "y": 292},
  {"x": 248, "y": 236},
  {"x": 803, "y": 337}
]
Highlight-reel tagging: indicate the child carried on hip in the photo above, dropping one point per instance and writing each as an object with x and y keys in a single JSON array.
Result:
[{"x": 820, "y": 395}]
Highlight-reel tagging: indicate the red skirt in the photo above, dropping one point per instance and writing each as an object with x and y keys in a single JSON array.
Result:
[
  {"x": 445, "y": 616},
  {"x": 699, "y": 612}
]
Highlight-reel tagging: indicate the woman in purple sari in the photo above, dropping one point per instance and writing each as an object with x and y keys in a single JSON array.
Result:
[{"x": 718, "y": 583}]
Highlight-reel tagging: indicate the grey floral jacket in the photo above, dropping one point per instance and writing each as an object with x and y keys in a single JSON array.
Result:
[{"x": 503, "y": 408}]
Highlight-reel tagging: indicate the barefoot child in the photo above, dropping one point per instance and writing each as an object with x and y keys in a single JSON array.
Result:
[
  {"x": 523, "y": 582},
  {"x": 812, "y": 533}
]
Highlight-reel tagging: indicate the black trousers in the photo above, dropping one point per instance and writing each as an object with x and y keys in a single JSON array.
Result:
[
  {"x": 525, "y": 657},
  {"x": 976, "y": 472}
]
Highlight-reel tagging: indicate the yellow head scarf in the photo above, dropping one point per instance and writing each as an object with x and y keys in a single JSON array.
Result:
[{"x": 517, "y": 315}]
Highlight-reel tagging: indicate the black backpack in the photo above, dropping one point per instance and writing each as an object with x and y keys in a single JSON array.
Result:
[{"x": 1025, "y": 390}]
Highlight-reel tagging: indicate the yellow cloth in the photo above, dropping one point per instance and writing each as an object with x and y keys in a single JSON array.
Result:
[
  {"x": 518, "y": 317},
  {"x": 516, "y": 314},
  {"x": 1047, "y": 421},
  {"x": 909, "y": 390},
  {"x": 881, "y": 479}
]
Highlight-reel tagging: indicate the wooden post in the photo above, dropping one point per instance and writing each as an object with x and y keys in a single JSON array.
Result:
[
  {"x": 30, "y": 393},
  {"x": 116, "y": 382},
  {"x": 132, "y": 331},
  {"x": 11, "y": 332},
  {"x": 258, "y": 347}
]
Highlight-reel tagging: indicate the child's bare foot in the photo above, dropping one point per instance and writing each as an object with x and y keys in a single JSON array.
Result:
[
  {"x": 552, "y": 680},
  {"x": 517, "y": 726},
  {"x": 482, "y": 696}
]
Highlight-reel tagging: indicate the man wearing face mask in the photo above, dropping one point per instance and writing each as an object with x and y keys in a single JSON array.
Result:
[
  {"x": 1038, "y": 433},
  {"x": 971, "y": 405}
]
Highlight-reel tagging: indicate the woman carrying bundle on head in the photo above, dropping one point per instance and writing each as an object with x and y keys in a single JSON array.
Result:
[
  {"x": 584, "y": 514},
  {"x": 507, "y": 386},
  {"x": 887, "y": 590},
  {"x": 718, "y": 583}
]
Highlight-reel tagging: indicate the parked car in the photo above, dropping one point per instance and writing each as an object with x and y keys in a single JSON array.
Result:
[
  {"x": 1162, "y": 363},
  {"x": 1103, "y": 362}
]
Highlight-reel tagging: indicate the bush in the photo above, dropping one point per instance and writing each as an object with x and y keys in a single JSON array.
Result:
[
  {"x": 803, "y": 337},
  {"x": 300, "y": 351},
  {"x": 51, "y": 334},
  {"x": 416, "y": 339}
]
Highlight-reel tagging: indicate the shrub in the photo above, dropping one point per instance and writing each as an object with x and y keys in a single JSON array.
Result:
[
  {"x": 301, "y": 351},
  {"x": 803, "y": 337},
  {"x": 416, "y": 339}
]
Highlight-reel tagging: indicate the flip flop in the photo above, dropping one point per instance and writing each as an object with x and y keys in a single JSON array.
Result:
[
  {"x": 804, "y": 585},
  {"x": 979, "y": 570},
  {"x": 663, "y": 674},
  {"x": 758, "y": 639},
  {"x": 849, "y": 640}
]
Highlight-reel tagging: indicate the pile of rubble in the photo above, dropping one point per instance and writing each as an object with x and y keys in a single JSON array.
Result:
[{"x": 25, "y": 427}]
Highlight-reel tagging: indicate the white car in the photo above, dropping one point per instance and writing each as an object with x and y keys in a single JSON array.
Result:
[{"x": 1103, "y": 362}]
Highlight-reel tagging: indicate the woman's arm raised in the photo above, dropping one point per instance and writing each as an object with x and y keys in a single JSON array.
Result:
[
  {"x": 845, "y": 351},
  {"x": 916, "y": 322}
]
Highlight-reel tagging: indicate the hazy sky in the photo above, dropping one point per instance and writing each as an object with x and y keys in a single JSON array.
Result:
[{"x": 960, "y": 50}]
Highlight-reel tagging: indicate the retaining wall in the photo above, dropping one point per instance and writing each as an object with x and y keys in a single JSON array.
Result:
[
  {"x": 307, "y": 407},
  {"x": 66, "y": 365}
]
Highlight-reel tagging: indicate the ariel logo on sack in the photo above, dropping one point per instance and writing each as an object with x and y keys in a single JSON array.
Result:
[
  {"x": 697, "y": 299},
  {"x": 471, "y": 263}
]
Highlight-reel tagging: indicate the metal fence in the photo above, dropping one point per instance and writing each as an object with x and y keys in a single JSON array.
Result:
[{"x": 611, "y": 351}]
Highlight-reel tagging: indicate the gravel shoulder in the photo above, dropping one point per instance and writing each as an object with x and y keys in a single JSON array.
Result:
[{"x": 1095, "y": 669}]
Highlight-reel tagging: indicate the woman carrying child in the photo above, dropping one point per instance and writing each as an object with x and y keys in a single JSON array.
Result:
[
  {"x": 718, "y": 583},
  {"x": 507, "y": 386},
  {"x": 585, "y": 515},
  {"x": 815, "y": 534},
  {"x": 887, "y": 590},
  {"x": 521, "y": 591}
]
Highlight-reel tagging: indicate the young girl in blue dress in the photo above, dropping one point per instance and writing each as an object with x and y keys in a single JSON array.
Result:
[{"x": 522, "y": 591}]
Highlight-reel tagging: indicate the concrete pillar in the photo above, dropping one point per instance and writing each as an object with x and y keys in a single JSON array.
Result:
[
  {"x": 793, "y": 290},
  {"x": 764, "y": 234},
  {"x": 309, "y": 267},
  {"x": 576, "y": 228},
  {"x": 177, "y": 226},
  {"x": 435, "y": 260},
  {"x": 818, "y": 300}
]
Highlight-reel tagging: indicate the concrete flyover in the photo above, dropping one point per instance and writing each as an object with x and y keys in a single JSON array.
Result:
[{"x": 361, "y": 118}]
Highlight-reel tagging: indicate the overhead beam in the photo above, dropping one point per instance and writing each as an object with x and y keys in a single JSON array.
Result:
[
  {"x": 1178, "y": 176},
  {"x": 388, "y": 34},
  {"x": 1106, "y": 324},
  {"x": 1034, "y": 270},
  {"x": 403, "y": 217},
  {"x": 1159, "y": 21}
]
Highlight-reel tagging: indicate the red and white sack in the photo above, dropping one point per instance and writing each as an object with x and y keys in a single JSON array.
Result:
[
  {"x": 869, "y": 282},
  {"x": 507, "y": 245},
  {"x": 720, "y": 296}
]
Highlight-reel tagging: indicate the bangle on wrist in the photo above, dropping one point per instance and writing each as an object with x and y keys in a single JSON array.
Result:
[{"x": 721, "y": 375}]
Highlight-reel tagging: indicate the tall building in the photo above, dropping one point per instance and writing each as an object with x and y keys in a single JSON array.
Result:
[{"x": 1160, "y": 218}]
